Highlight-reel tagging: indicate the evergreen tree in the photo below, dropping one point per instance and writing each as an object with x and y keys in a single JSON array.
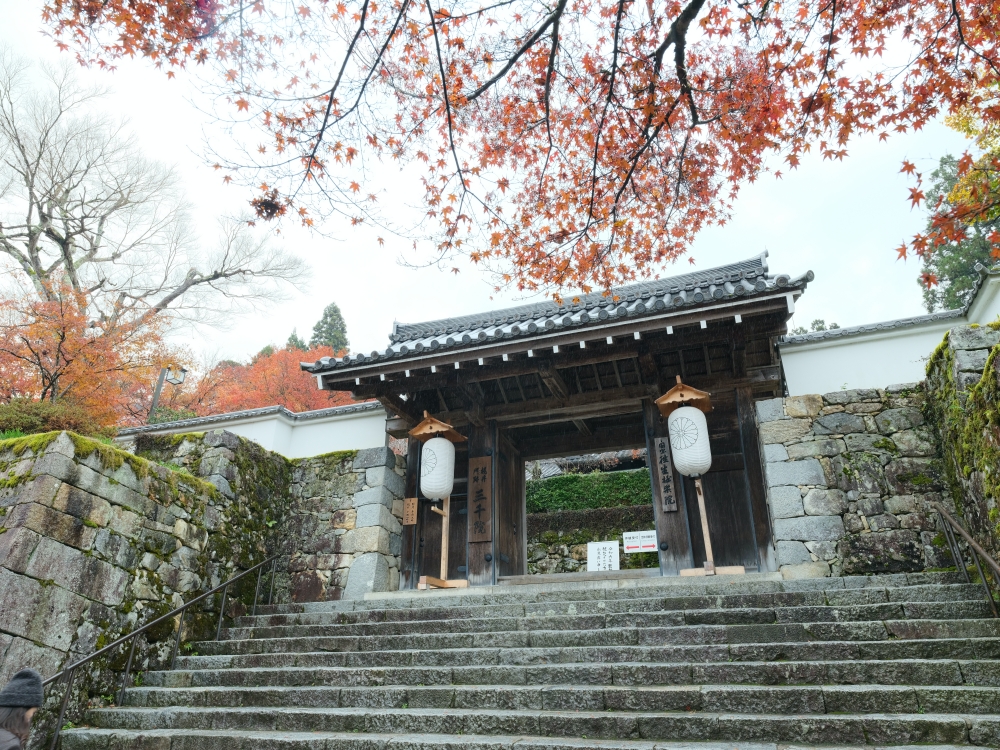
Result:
[
  {"x": 296, "y": 342},
  {"x": 330, "y": 330},
  {"x": 954, "y": 263}
]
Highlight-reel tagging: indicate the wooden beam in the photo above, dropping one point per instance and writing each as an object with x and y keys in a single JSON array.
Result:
[
  {"x": 622, "y": 437},
  {"x": 583, "y": 427},
  {"x": 400, "y": 408},
  {"x": 552, "y": 379}
]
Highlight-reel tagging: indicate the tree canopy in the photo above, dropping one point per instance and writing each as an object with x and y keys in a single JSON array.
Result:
[
  {"x": 952, "y": 262},
  {"x": 573, "y": 143},
  {"x": 330, "y": 330}
]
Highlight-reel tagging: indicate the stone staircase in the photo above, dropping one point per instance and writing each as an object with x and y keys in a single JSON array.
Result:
[{"x": 732, "y": 663}]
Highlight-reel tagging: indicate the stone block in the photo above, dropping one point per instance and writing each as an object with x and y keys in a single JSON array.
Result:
[
  {"x": 973, "y": 360},
  {"x": 770, "y": 410},
  {"x": 784, "y": 430},
  {"x": 369, "y": 458},
  {"x": 382, "y": 476},
  {"x": 41, "y": 490},
  {"x": 218, "y": 461},
  {"x": 124, "y": 522},
  {"x": 870, "y": 506},
  {"x": 346, "y": 519},
  {"x": 803, "y": 406},
  {"x": 847, "y": 397},
  {"x": 185, "y": 558},
  {"x": 918, "y": 443},
  {"x": 896, "y": 551},
  {"x": 374, "y": 495},
  {"x": 967, "y": 337},
  {"x": 369, "y": 573},
  {"x": 377, "y": 515},
  {"x": 72, "y": 570},
  {"x": 823, "y": 550},
  {"x": 371, "y": 539},
  {"x": 819, "y": 502},
  {"x": 862, "y": 443},
  {"x": 840, "y": 423},
  {"x": 809, "y": 528},
  {"x": 912, "y": 475},
  {"x": 807, "y": 471},
  {"x": 775, "y": 452},
  {"x": 900, "y": 504},
  {"x": 860, "y": 473},
  {"x": 83, "y": 505},
  {"x": 190, "y": 534},
  {"x": 24, "y": 654},
  {"x": 805, "y": 570},
  {"x": 853, "y": 523},
  {"x": 816, "y": 448},
  {"x": 53, "y": 524},
  {"x": 222, "y": 485},
  {"x": 865, "y": 407},
  {"x": 895, "y": 420},
  {"x": 115, "y": 549},
  {"x": 16, "y": 546},
  {"x": 20, "y": 597},
  {"x": 786, "y": 502},
  {"x": 221, "y": 438},
  {"x": 791, "y": 553},
  {"x": 883, "y": 522},
  {"x": 966, "y": 380},
  {"x": 917, "y": 521},
  {"x": 396, "y": 543},
  {"x": 397, "y": 507}
]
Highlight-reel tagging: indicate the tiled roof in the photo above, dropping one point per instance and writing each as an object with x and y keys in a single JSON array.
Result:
[
  {"x": 742, "y": 280},
  {"x": 302, "y": 416},
  {"x": 888, "y": 325}
]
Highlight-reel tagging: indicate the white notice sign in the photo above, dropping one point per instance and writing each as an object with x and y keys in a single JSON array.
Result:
[
  {"x": 639, "y": 541},
  {"x": 602, "y": 556}
]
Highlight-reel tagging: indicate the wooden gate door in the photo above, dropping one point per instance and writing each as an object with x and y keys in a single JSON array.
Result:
[{"x": 511, "y": 532}]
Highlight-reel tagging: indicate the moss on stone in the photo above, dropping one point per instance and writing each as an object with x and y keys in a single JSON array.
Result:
[{"x": 34, "y": 443}]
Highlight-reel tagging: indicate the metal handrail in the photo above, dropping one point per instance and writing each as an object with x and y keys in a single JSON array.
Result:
[
  {"x": 951, "y": 525},
  {"x": 70, "y": 672}
]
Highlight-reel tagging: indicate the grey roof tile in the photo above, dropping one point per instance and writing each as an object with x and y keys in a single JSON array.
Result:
[
  {"x": 745, "y": 278},
  {"x": 887, "y": 325}
]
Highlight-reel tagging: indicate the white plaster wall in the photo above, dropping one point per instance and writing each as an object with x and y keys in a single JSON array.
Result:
[
  {"x": 865, "y": 360},
  {"x": 299, "y": 438}
]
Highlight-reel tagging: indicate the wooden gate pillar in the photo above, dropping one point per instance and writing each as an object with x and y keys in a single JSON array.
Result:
[{"x": 673, "y": 536}]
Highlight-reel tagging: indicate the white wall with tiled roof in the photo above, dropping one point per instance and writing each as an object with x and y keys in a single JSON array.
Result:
[{"x": 880, "y": 354}]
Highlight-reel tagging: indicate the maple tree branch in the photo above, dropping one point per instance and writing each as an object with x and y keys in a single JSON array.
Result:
[
  {"x": 550, "y": 72},
  {"x": 332, "y": 93},
  {"x": 539, "y": 32},
  {"x": 676, "y": 36},
  {"x": 447, "y": 103}
]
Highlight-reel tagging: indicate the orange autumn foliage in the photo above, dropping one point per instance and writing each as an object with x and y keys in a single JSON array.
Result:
[
  {"x": 574, "y": 143},
  {"x": 269, "y": 380},
  {"x": 51, "y": 350}
]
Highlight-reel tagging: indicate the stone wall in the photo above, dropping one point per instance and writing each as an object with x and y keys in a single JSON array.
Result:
[
  {"x": 95, "y": 541},
  {"x": 557, "y": 542},
  {"x": 344, "y": 537},
  {"x": 850, "y": 475},
  {"x": 963, "y": 402}
]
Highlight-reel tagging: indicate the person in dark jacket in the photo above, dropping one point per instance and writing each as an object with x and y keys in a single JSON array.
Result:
[{"x": 18, "y": 702}]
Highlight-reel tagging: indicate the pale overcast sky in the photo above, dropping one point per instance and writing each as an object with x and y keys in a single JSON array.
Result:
[{"x": 838, "y": 219}]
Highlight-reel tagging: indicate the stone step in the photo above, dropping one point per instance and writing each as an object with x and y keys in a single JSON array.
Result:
[
  {"x": 615, "y": 590},
  {"x": 621, "y": 636},
  {"x": 940, "y": 672},
  {"x": 779, "y": 700},
  {"x": 968, "y": 648},
  {"x": 220, "y": 739},
  {"x": 854, "y": 729},
  {"x": 950, "y": 610},
  {"x": 338, "y": 613}
]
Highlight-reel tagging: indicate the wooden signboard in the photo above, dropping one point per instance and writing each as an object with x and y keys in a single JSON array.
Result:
[
  {"x": 666, "y": 472},
  {"x": 481, "y": 499},
  {"x": 410, "y": 511}
]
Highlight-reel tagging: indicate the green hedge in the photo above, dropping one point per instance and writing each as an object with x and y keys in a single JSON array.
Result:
[{"x": 595, "y": 490}]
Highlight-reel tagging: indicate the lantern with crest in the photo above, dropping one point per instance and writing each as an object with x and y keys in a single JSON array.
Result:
[{"x": 685, "y": 408}]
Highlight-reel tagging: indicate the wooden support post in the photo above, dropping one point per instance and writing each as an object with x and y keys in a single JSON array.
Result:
[
  {"x": 443, "y": 582},
  {"x": 709, "y": 569}
]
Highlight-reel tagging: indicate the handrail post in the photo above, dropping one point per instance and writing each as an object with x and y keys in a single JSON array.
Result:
[
  {"x": 256, "y": 591},
  {"x": 128, "y": 668},
  {"x": 177, "y": 641},
  {"x": 222, "y": 612},
  {"x": 956, "y": 551},
  {"x": 62, "y": 709},
  {"x": 986, "y": 586},
  {"x": 274, "y": 564}
]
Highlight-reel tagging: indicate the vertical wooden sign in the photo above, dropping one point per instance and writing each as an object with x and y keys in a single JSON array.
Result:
[
  {"x": 410, "y": 511},
  {"x": 666, "y": 472},
  {"x": 481, "y": 499}
]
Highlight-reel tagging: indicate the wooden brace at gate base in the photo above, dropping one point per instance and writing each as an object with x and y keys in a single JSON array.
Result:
[{"x": 427, "y": 429}]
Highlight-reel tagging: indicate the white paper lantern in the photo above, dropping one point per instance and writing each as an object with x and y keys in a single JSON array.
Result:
[
  {"x": 437, "y": 468},
  {"x": 689, "y": 441}
]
